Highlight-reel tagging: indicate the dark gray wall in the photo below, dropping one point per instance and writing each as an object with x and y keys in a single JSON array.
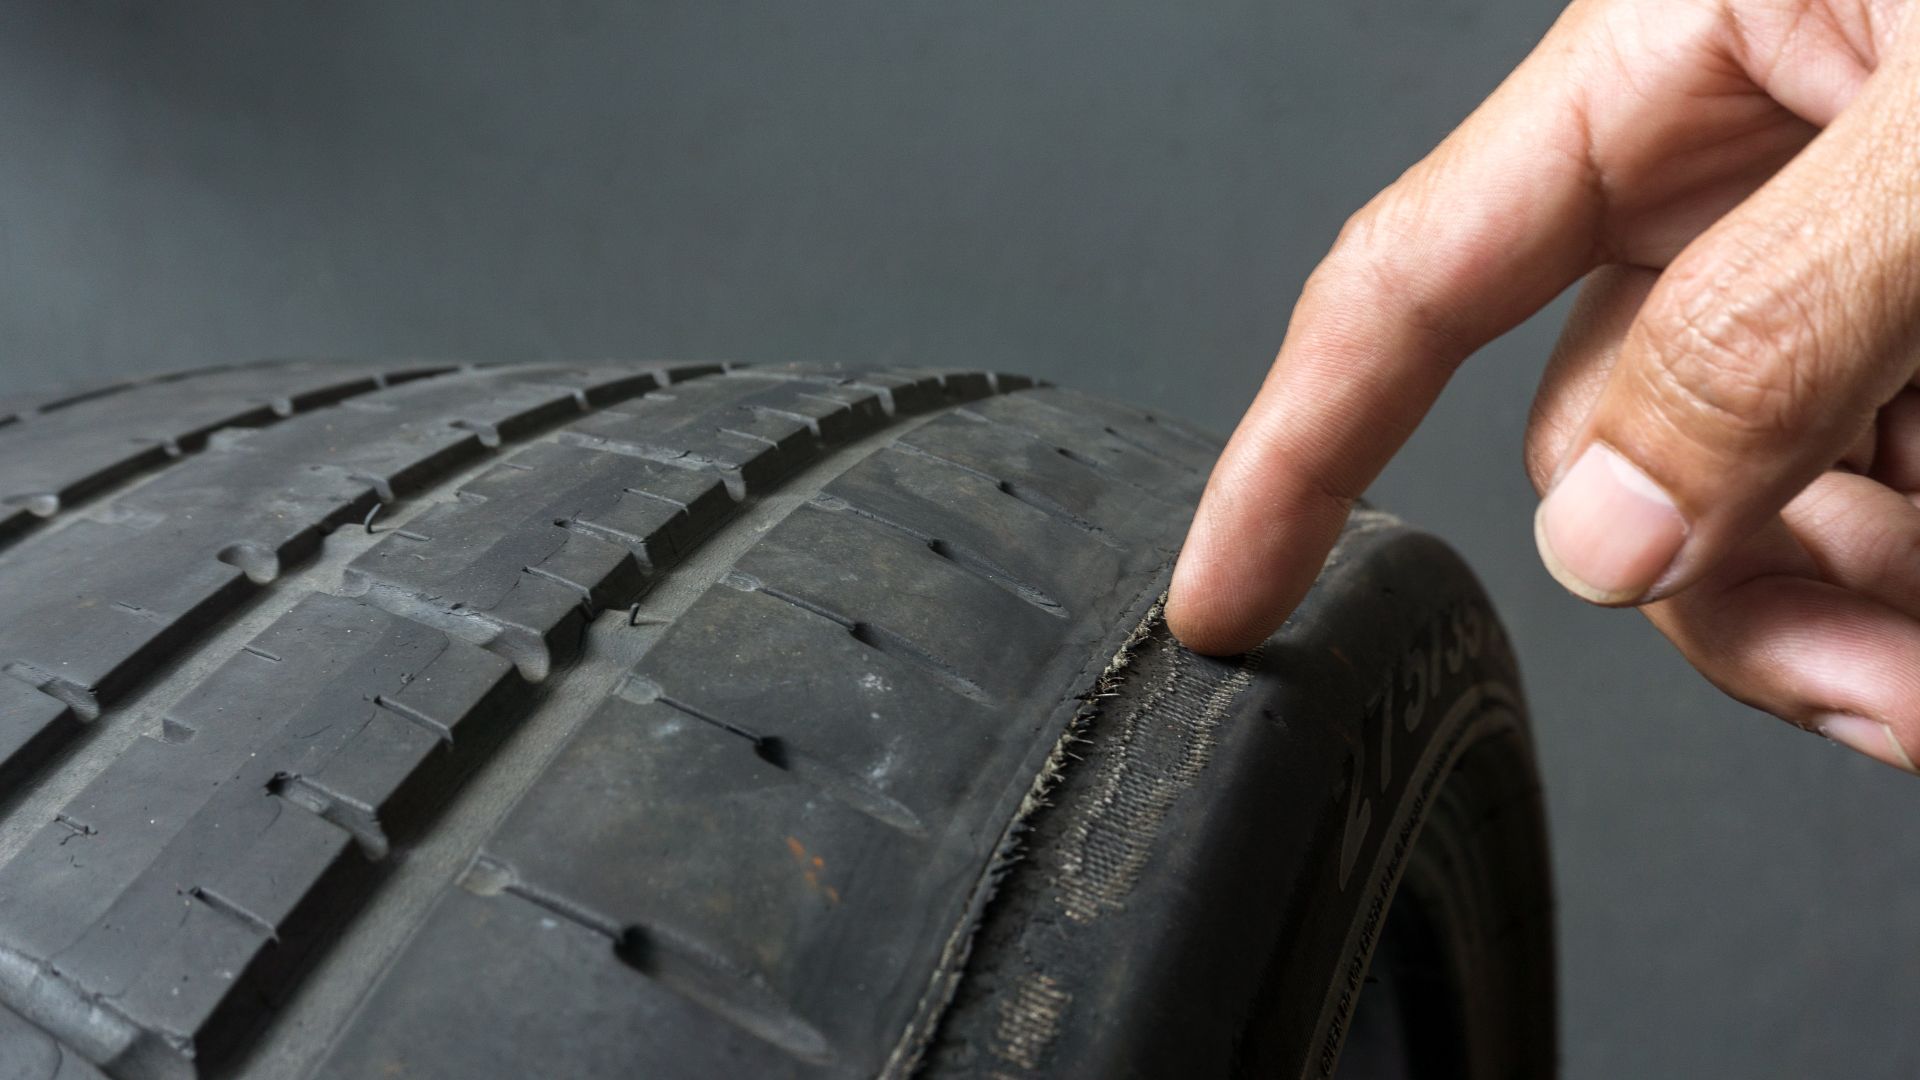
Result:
[{"x": 1117, "y": 195}]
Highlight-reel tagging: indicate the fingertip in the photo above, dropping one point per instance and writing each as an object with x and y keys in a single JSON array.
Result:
[
  {"x": 1207, "y": 620},
  {"x": 1212, "y": 639}
]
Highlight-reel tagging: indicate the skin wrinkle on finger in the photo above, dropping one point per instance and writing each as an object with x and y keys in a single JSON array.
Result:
[
  {"x": 1811, "y": 56},
  {"x": 1704, "y": 332}
]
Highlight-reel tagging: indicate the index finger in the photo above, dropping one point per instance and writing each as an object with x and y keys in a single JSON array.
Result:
[{"x": 1500, "y": 218}]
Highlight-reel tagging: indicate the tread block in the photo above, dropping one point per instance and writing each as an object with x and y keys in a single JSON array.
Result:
[
  {"x": 1092, "y": 439},
  {"x": 532, "y": 549},
  {"x": 335, "y": 656},
  {"x": 547, "y": 979},
  {"x": 288, "y": 860},
  {"x": 671, "y": 843},
  {"x": 1148, "y": 432},
  {"x": 97, "y": 620},
  {"x": 214, "y": 529},
  {"x": 762, "y": 425},
  {"x": 666, "y": 517},
  {"x": 91, "y": 615},
  {"x": 865, "y": 727},
  {"x": 401, "y": 440},
  {"x": 1035, "y": 471},
  {"x": 917, "y": 606},
  {"x": 382, "y": 780},
  {"x": 230, "y": 942},
  {"x": 360, "y": 787},
  {"x": 899, "y": 392},
  {"x": 190, "y": 870},
  {"x": 663, "y": 430},
  {"x": 831, "y": 418},
  {"x": 1025, "y": 549},
  {"x": 628, "y": 498},
  {"x": 203, "y": 961},
  {"x": 474, "y": 555},
  {"x": 156, "y": 420}
]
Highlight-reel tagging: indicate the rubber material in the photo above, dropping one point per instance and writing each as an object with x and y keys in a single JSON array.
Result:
[
  {"x": 1203, "y": 890},
  {"x": 610, "y": 721}
]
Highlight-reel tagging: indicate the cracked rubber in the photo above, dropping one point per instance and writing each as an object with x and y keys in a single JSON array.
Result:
[{"x": 623, "y": 720}]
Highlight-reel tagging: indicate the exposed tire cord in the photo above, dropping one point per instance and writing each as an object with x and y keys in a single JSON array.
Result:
[{"x": 766, "y": 811}]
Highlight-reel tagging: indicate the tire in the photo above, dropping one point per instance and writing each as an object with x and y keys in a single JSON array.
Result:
[{"x": 684, "y": 721}]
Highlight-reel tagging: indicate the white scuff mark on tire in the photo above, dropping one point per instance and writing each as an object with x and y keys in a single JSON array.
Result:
[
  {"x": 1030, "y": 1020},
  {"x": 1160, "y": 747}
]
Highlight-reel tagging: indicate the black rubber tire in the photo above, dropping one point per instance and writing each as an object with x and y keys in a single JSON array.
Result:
[{"x": 640, "y": 720}]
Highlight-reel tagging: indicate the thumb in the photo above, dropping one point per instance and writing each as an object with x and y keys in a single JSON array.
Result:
[{"x": 1760, "y": 356}]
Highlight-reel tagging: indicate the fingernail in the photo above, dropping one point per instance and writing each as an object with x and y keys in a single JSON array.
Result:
[
  {"x": 1869, "y": 737},
  {"x": 1606, "y": 531}
]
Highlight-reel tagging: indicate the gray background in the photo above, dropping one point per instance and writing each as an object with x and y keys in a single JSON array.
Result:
[{"x": 1116, "y": 195}]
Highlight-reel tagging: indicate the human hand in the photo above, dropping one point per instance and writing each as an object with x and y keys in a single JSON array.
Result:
[{"x": 1729, "y": 432}]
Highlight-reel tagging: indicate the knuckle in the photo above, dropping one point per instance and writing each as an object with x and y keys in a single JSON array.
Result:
[
  {"x": 1372, "y": 228},
  {"x": 1737, "y": 357},
  {"x": 1365, "y": 254},
  {"x": 1387, "y": 258}
]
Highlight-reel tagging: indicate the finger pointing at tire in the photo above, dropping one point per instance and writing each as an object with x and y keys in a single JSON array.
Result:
[
  {"x": 1665, "y": 135},
  {"x": 1464, "y": 246}
]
